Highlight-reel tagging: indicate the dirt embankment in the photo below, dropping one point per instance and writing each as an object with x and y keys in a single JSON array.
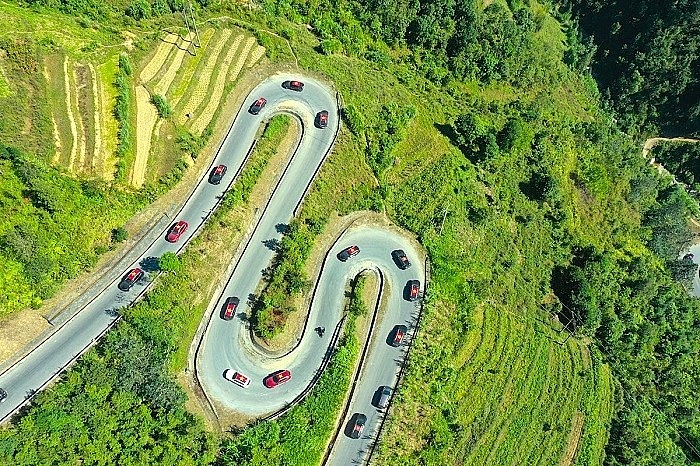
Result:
[{"x": 651, "y": 142}]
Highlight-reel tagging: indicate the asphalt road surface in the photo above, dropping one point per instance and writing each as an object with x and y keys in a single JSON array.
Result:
[
  {"x": 227, "y": 344},
  {"x": 40, "y": 366}
]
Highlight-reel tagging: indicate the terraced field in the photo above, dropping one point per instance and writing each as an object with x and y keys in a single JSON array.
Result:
[
  {"x": 520, "y": 398},
  {"x": 194, "y": 81},
  {"x": 77, "y": 113}
]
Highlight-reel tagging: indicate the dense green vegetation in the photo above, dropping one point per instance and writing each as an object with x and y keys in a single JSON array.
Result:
[
  {"x": 681, "y": 159},
  {"x": 52, "y": 227},
  {"x": 647, "y": 60},
  {"x": 124, "y": 112},
  {"x": 543, "y": 176},
  {"x": 120, "y": 403}
]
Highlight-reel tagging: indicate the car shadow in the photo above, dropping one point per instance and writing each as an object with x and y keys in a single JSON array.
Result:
[
  {"x": 149, "y": 264},
  {"x": 350, "y": 425}
]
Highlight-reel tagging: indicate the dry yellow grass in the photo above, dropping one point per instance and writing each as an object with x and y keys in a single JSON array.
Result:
[
  {"x": 56, "y": 135},
  {"x": 158, "y": 59},
  {"x": 256, "y": 55},
  {"x": 146, "y": 117},
  {"x": 71, "y": 118},
  {"x": 97, "y": 158},
  {"x": 235, "y": 71},
  {"x": 177, "y": 92},
  {"x": 18, "y": 330},
  {"x": 162, "y": 86},
  {"x": 201, "y": 89},
  {"x": 218, "y": 89},
  {"x": 108, "y": 133}
]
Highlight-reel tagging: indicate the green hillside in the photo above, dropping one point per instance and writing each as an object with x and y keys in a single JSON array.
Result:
[{"x": 556, "y": 327}]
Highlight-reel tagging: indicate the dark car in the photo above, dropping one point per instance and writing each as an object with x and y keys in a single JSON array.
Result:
[
  {"x": 347, "y": 253},
  {"x": 277, "y": 378},
  {"x": 257, "y": 105},
  {"x": 293, "y": 85},
  {"x": 358, "y": 425},
  {"x": 400, "y": 259},
  {"x": 412, "y": 290},
  {"x": 130, "y": 279},
  {"x": 176, "y": 231},
  {"x": 217, "y": 174},
  {"x": 382, "y": 396},
  {"x": 3, "y": 395},
  {"x": 397, "y": 335},
  {"x": 321, "y": 119},
  {"x": 230, "y": 307}
]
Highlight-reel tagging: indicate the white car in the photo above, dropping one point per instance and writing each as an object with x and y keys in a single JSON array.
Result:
[{"x": 236, "y": 377}]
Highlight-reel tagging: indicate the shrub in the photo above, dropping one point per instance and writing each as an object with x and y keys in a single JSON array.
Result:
[
  {"x": 119, "y": 235},
  {"x": 163, "y": 107}
]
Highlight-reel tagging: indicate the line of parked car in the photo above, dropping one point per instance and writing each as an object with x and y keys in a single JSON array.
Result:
[
  {"x": 396, "y": 336},
  {"x": 177, "y": 229},
  {"x": 321, "y": 119}
]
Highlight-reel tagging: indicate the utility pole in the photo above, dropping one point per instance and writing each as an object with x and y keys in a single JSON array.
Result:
[{"x": 194, "y": 23}]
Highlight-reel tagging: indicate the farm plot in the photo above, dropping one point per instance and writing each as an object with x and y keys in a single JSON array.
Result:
[
  {"x": 75, "y": 100},
  {"x": 200, "y": 86},
  {"x": 193, "y": 85},
  {"x": 516, "y": 396}
]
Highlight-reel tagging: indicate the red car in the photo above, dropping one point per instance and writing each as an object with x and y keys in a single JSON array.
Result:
[
  {"x": 321, "y": 119},
  {"x": 412, "y": 290},
  {"x": 176, "y": 231},
  {"x": 397, "y": 335},
  {"x": 347, "y": 253},
  {"x": 216, "y": 174},
  {"x": 257, "y": 106},
  {"x": 358, "y": 425},
  {"x": 400, "y": 259},
  {"x": 277, "y": 378},
  {"x": 237, "y": 378},
  {"x": 130, "y": 279},
  {"x": 293, "y": 85},
  {"x": 230, "y": 307}
]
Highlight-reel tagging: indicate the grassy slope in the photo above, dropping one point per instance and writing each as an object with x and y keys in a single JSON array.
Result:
[
  {"x": 366, "y": 87},
  {"x": 486, "y": 384}
]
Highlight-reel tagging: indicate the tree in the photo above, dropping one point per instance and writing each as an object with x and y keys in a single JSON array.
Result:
[{"x": 169, "y": 262}]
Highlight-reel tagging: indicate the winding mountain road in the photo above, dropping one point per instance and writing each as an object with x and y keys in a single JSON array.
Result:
[{"x": 227, "y": 344}]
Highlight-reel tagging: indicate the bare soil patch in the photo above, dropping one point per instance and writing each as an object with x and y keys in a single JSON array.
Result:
[
  {"x": 573, "y": 440},
  {"x": 14, "y": 332},
  {"x": 146, "y": 117}
]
